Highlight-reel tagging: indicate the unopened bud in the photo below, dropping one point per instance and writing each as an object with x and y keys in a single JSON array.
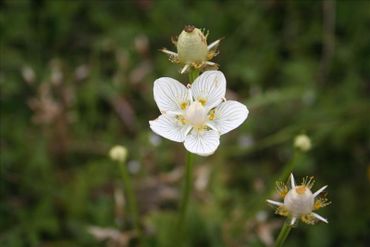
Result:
[
  {"x": 302, "y": 142},
  {"x": 118, "y": 153}
]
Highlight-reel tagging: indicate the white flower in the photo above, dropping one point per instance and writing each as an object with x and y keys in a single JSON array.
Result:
[
  {"x": 300, "y": 202},
  {"x": 302, "y": 142},
  {"x": 118, "y": 153},
  {"x": 196, "y": 115}
]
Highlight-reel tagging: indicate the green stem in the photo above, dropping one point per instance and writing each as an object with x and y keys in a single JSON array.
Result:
[
  {"x": 187, "y": 184},
  {"x": 193, "y": 74},
  {"x": 283, "y": 176},
  {"x": 288, "y": 168},
  {"x": 131, "y": 200},
  {"x": 284, "y": 232},
  {"x": 186, "y": 190}
]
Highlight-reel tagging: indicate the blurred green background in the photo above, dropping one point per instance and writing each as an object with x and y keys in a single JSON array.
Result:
[{"x": 76, "y": 78}]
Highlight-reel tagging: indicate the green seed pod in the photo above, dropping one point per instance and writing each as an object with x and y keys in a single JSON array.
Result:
[
  {"x": 192, "y": 46},
  {"x": 193, "y": 51}
]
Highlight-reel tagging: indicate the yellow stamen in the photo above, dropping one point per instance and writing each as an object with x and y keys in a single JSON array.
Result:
[
  {"x": 197, "y": 65},
  {"x": 308, "y": 182},
  {"x": 282, "y": 189},
  {"x": 282, "y": 210},
  {"x": 202, "y": 101},
  {"x": 201, "y": 128},
  {"x": 211, "y": 54},
  {"x": 174, "y": 59},
  {"x": 321, "y": 202},
  {"x": 183, "y": 105},
  {"x": 181, "y": 119},
  {"x": 212, "y": 115},
  {"x": 308, "y": 219}
]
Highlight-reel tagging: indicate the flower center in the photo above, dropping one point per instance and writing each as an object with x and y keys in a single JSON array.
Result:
[
  {"x": 299, "y": 201},
  {"x": 300, "y": 189},
  {"x": 196, "y": 114}
]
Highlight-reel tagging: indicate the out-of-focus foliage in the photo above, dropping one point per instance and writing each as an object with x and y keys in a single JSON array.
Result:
[{"x": 76, "y": 78}]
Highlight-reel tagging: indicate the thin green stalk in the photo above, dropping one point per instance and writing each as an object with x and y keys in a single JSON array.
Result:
[
  {"x": 288, "y": 168},
  {"x": 131, "y": 200},
  {"x": 186, "y": 190},
  {"x": 193, "y": 74},
  {"x": 283, "y": 176},
  {"x": 187, "y": 184},
  {"x": 284, "y": 232}
]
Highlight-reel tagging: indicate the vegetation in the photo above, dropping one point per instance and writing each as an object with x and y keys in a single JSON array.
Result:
[{"x": 76, "y": 79}]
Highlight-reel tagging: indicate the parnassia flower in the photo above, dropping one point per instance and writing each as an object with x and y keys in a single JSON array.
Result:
[
  {"x": 300, "y": 202},
  {"x": 198, "y": 114},
  {"x": 192, "y": 50}
]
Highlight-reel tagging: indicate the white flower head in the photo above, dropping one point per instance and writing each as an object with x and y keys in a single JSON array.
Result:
[
  {"x": 302, "y": 142},
  {"x": 118, "y": 153},
  {"x": 192, "y": 50},
  {"x": 299, "y": 202},
  {"x": 198, "y": 114}
]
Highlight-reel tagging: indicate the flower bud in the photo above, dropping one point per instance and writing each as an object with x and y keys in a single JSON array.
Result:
[
  {"x": 118, "y": 153},
  {"x": 302, "y": 142}
]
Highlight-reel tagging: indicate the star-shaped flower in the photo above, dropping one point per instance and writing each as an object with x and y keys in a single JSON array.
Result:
[
  {"x": 300, "y": 202},
  {"x": 193, "y": 51},
  {"x": 198, "y": 114}
]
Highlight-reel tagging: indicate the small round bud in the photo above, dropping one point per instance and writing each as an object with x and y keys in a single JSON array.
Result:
[
  {"x": 302, "y": 142},
  {"x": 192, "y": 45},
  {"x": 118, "y": 153}
]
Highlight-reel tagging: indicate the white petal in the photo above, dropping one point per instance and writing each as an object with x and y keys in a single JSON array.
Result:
[
  {"x": 169, "y": 94},
  {"x": 212, "y": 64},
  {"x": 211, "y": 87},
  {"x": 292, "y": 222},
  {"x": 171, "y": 53},
  {"x": 202, "y": 143},
  {"x": 185, "y": 68},
  {"x": 229, "y": 115},
  {"x": 212, "y": 126},
  {"x": 319, "y": 217},
  {"x": 214, "y": 44},
  {"x": 275, "y": 203},
  {"x": 168, "y": 127},
  {"x": 319, "y": 191},
  {"x": 292, "y": 180}
]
